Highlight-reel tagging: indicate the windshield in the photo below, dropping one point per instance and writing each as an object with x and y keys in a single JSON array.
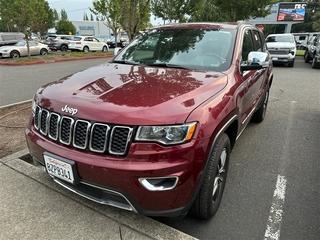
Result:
[
  {"x": 21, "y": 43},
  {"x": 280, "y": 38},
  {"x": 202, "y": 49}
]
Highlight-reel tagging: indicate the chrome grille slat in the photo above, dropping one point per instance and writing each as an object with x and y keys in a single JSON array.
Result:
[
  {"x": 120, "y": 137},
  {"x": 43, "y": 121},
  {"x": 99, "y": 137},
  {"x": 83, "y": 134},
  {"x": 53, "y": 129},
  {"x": 65, "y": 132}
]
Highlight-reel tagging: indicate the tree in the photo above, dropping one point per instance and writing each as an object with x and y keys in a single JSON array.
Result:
[
  {"x": 174, "y": 10},
  {"x": 110, "y": 11},
  {"x": 65, "y": 27},
  {"x": 91, "y": 17},
  {"x": 56, "y": 15},
  {"x": 63, "y": 14},
  {"x": 314, "y": 12},
  {"x": 85, "y": 17},
  {"x": 129, "y": 15},
  {"x": 135, "y": 16},
  {"x": 26, "y": 15}
]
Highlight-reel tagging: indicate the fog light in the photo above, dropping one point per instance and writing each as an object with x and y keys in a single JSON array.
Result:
[{"x": 159, "y": 184}]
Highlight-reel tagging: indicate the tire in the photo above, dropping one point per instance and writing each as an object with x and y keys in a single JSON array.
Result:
[
  {"x": 43, "y": 51},
  {"x": 209, "y": 197},
  {"x": 314, "y": 64},
  {"x": 291, "y": 64},
  {"x": 104, "y": 49},
  {"x": 15, "y": 54},
  {"x": 64, "y": 48},
  {"x": 307, "y": 58},
  {"x": 86, "y": 49},
  {"x": 259, "y": 115}
]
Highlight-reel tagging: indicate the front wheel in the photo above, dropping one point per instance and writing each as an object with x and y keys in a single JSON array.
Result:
[
  {"x": 104, "y": 49},
  {"x": 209, "y": 197},
  {"x": 307, "y": 58},
  {"x": 315, "y": 64},
  {"x": 15, "y": 54}
]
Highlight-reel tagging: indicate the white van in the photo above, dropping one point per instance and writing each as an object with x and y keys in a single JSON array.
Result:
[
  {"x": 10, "y": 38},
  {"x": 282, "y": 48}
]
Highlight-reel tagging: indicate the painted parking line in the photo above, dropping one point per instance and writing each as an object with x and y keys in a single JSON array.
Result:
[{"x": 276, "y": 212}]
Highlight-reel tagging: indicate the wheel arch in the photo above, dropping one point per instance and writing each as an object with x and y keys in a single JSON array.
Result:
[{"x": 231, "y": 129}]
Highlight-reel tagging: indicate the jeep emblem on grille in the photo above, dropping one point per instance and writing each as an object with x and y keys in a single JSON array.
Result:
[{"x": 67, "y": 109}]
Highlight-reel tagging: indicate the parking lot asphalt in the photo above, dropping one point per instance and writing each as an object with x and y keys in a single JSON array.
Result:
[{"x": 32, "y": 206}]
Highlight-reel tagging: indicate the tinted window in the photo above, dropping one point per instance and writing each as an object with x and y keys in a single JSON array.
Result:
[
  {"x": 76, "y": 39},
  {"x": 8, "y": 37},
  {"x": 247, "y": 45},
  {"x": 280, "y": 38},
  {"x": 257, "y": 43}
]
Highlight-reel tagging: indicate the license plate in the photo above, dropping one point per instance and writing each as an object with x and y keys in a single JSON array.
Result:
[
  {"x": 274, "y": 58},
  {"x": 60, "y": 169}
]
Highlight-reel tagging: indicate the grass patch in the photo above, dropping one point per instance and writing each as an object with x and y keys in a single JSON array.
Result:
[
  {"x": 31, "y": 59},
  {"x": 300, "y": 52}
]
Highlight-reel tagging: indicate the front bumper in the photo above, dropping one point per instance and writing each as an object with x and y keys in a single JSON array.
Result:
[
  {"x": 115, "y": 181},
  {"x": 4, "y": 54}
]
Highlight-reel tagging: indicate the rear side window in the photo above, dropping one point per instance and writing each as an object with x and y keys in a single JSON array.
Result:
[
  {"x": 257, "y": 41},
  {"x": 76, "y": 39},
  {"x": 8, "y": 37}
]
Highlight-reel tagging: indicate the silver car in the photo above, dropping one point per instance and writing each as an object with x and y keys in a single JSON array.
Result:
[{"x": 20, "y": 49}]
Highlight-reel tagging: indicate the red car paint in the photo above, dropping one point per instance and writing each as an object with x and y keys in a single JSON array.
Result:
[{"x": 120, "y": 95}]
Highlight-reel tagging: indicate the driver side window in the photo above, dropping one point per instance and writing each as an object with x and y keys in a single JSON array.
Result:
[{"x": 247, "y": 46}]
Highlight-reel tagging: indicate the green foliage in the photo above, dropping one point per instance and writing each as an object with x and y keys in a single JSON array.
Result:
[
  {"x": 65, "y": 27},
  {"x": 135, "y": 16},
  {"x": 174, "y": 10},
  {"x": 129, "y": 15},
  {"x": 26, "y": 15},
  {"x": 314, "y": 11},
  {"x": 64, "y": 15},
  {"x": 110, "y": 10}
]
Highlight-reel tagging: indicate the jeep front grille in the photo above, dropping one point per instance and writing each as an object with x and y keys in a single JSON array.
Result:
[{"x": 83, "y": 134}]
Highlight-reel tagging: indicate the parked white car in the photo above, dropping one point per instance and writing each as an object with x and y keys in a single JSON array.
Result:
[
  {"x": 282, "y": 48},
  {"x": 20, "y": 49},
  {"x": 87, "y": 44}
]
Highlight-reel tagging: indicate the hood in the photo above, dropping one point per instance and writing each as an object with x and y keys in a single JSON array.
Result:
[
  {"x": 7, "y": 48},
  {"x": 280, "y": 45},
  {"x": 131, "y": 94}
]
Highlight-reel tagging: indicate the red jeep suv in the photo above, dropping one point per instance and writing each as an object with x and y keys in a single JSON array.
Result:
[{"x": 151, "y": 130}]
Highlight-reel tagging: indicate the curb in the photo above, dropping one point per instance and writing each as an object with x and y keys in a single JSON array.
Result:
[
  {"x": 130, "y": 225},
  {"x": 52, "y": 60}
]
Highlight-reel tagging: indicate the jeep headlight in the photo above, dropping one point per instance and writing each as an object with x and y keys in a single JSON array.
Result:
[{"x": 168, "y": 135}]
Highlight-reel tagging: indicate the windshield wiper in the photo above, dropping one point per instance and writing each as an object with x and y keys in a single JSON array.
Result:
[
  {"x": 168, "y": 65},
  {"x": 125, "y": 62}
]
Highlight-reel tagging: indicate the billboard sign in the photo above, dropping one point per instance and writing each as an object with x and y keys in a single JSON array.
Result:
[{"x": 291, "y": 11}]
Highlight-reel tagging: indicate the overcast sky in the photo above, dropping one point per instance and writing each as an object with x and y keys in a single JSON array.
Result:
[{"x": 76, "y": 9}]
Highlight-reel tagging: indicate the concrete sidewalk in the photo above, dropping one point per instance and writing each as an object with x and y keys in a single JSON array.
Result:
[{"x": 33, "y": 206}]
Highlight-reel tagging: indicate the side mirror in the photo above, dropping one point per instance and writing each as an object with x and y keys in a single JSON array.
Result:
[{"x": 256, "y": 61}]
